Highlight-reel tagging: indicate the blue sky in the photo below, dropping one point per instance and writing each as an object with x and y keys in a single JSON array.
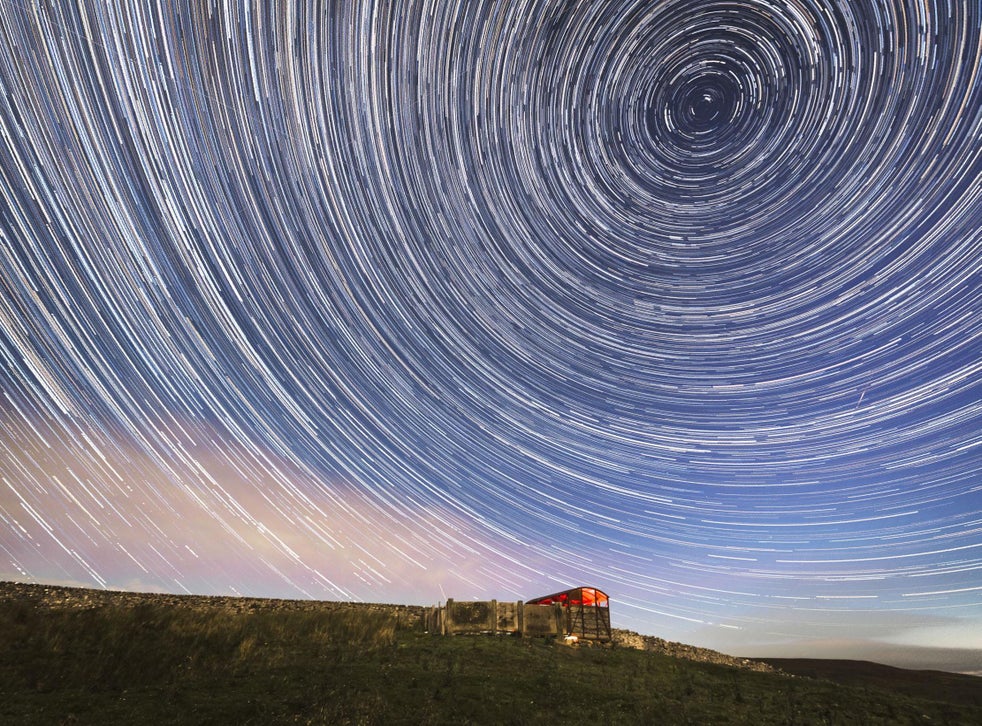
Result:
[{"x": 679, "y": 300}]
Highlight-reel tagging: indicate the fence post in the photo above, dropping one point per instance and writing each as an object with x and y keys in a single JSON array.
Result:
[
  {"x": 447, "y": 618},
  {"x": 520, "y": 607},
  {"x": 494, "y": 617}
]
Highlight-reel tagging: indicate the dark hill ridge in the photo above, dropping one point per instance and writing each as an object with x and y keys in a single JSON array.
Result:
[{"x": 936, "y": 685}]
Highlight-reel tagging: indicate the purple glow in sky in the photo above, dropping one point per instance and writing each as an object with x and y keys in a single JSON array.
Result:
[{"x": 397, "y": 302}]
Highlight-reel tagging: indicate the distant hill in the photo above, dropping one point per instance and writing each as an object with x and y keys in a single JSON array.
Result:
[
  {"x": 90, "y": 657},
  {"x": 935, "y": 685}
]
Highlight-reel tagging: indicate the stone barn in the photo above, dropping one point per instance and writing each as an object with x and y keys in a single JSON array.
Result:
[{"x": 585, "y": 611}]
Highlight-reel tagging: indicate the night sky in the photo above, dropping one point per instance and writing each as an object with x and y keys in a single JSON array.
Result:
[{"x": 402, "y": 301}]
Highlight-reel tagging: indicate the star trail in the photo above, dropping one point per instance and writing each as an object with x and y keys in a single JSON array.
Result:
[{"x": 403, "y": 301}]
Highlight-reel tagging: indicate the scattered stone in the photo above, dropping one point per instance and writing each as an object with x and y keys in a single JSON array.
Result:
[{"x": 630, "y": 639}]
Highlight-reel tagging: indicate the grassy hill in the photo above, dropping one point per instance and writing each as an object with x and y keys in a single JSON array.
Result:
[
  {"x": 933, "y": 685},
  {"x": 94, "y": 658}
]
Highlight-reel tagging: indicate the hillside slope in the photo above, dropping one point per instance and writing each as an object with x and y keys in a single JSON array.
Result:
[
  {"x": 935, "y": 685},
  {"x": 89, "y": 657}
]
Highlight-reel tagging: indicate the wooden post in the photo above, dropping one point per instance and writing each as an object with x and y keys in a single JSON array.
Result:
[
  {"x": 447, "y": 621},
  {"x": 520, "y": 607},
  {"x": 494, "y": 617}
]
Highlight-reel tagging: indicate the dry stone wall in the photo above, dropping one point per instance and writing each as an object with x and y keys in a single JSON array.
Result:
[
  {"x": 76, "y": 598},
  {"x": 630, "y": 639}
]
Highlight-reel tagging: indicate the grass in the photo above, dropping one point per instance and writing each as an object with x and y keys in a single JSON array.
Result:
[{"x": 163, "y": 664}]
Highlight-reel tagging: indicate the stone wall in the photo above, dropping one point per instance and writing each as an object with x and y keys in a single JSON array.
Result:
[
  {"x": 630, "y": 639},
  {"x": 76, "y": 598}
]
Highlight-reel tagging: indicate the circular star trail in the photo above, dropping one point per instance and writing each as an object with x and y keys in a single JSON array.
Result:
[{"x": 423, "y": 299}]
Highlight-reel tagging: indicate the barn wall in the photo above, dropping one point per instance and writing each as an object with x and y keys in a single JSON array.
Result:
[
  {"x": 508, "y": 615},
  {"x": 588, "y": 622},
  {"x": 544, "y": 620},
  {"x": 492, "y": 617}
]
